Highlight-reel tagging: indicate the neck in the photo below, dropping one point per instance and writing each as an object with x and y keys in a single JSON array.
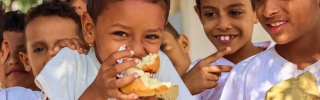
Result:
[
  {"x": 301, "y": 50},
  {"x": 243, "y": 53}
]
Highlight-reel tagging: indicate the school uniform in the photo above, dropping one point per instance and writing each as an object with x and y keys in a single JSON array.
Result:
[
  {"x": 253, "y": 79},
  {"x": 20, "y": 93},
  {"x": 67, "y": 75}
]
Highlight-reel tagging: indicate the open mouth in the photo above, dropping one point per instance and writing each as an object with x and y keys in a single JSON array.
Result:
[{"x": 226, "y": 37}]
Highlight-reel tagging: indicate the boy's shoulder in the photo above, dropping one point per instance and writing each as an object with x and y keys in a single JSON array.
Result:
[{"x": 20, "y": 93}]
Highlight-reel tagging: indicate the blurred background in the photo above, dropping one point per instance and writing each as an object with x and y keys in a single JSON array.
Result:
[{"x": 183, "y": 18}]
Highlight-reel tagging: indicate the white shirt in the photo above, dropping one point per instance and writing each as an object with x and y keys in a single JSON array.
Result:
[
  {"x": 20, "y": 93},
  {"x": 215, "y": 93},
  {"x": 167, "y": 73},
  {"x": 68, "y": 74},
  {"x": 254, "y": 78}
]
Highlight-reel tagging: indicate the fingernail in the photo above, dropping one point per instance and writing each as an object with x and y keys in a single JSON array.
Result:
[
  {"x": 131, "y": 52},
  {"x": 135, "y": 97},
  {"x": 136, "y": 75},
  {"x": 136, "y": 60},
  {"x": 56, "y": 48},
  {"x": 228, "y": 48}
]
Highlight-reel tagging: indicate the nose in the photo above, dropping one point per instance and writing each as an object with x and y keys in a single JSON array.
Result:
[
  {"x": 223, "y": 24},
  {"x": 13, "y": 59},
  {"x": 270, "y": 8},
  {"x": 138, "y": 48}
]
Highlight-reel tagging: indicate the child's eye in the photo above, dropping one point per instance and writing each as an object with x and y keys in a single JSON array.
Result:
[
  {"x": 162, "y": 46},
  {"x": 153, "y": 36},
  {"x": 235, "y": 13},
  {"x": 37, "y": 50},
  {"x": 121, "y": 34},
  {"x": 210, "y": 14}
]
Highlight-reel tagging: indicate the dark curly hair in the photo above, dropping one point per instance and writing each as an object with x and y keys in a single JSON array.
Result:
[
  {"x": 55, "y": 8},
  {"x": 95, "y": 7},
  {"x": 2, "y": 9},
  {"x": 198, "y": 4},
  {"x": 14, "y": 21}
]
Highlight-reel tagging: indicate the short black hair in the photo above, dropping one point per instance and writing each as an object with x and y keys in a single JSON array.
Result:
[
  {"x": 14, "y": 21},
  {"x": 55, "y": 8},
  {"x": 2, "y": 10},
  {"x": 169, "y": 28},
  {"x": 96, "y": 7},
  {"x": 198, "y": 4}
]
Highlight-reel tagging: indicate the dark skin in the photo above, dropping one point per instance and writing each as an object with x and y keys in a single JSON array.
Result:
[
  {"x": 232, "y": 20},
  {"x": 299, "y": 29}
]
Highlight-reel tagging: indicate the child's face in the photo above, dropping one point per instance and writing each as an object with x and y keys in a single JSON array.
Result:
[
  {"x": 136, "y": 24},
  {"x": 12, "y": 72},
  {"x": 287, "y": 20},
  {"x": 80, "y": 6},
  {"x": 43, "y": 33},
  {"x": 176, "y": 50},
  {"x": 227, "y": 23}
]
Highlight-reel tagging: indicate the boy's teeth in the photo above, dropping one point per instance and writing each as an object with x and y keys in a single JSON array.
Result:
[
  {"x": 226, "y": 38},
  {"x": 277, "y": 24},
  {"x": 222, "y": 38}
]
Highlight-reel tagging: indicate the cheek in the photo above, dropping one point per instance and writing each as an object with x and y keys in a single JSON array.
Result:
[
  {"x": 152, "y": 48},
  {"x": 208, "y": 27}
]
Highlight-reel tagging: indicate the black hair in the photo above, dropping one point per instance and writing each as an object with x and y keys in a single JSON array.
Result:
[
  {"x": 198, "y": 4},
  {"x": 55, "y": 8},
  {"x": 96, "y": 7},
  {"x": 14, "y": 21},
  {"x": 2, "y": 10},
  {"x": 169, "y": 28}
]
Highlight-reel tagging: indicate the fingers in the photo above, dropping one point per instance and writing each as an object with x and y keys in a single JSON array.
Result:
[
  {"x": 73, "y": 44},
  {"x": 220, "y": 68},
  {"x": 317, "y": 56},
  {"x": 127, "y": 97},
  {"x": 113, "y": 57},
  {"x": 212, "y": 58},
  {"x": 125, "y": 81}
]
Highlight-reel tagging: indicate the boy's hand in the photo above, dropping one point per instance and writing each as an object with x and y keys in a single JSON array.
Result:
[
  {"x": 73, "y": 44},
  {"x": 106, "y": 83},
  {"x": 205, "y": 76}
]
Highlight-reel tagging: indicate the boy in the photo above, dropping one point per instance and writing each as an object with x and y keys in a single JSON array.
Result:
[
  {"x": 12, "y": 71},
  {"x": 176, "y": 46},
  {"x": 76, "y": 72},
  {"x": 229, "y": 26},
  {"x": 294, "y": 26},
  {"x": 46, "y": 25}
]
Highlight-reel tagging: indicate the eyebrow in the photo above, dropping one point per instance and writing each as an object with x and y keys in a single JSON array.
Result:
[
  {"x": 229, "y": 6},
  {"x": 37, "y": 43},
  {"x": 236, "y": 5},
  {"x": 121, "y": 26},
  {"x": 154, "y": 30}
]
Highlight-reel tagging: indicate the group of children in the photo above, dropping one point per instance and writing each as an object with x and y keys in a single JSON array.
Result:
[{"x": 67, "y": 50}]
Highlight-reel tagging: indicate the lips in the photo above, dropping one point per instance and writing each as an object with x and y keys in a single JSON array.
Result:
[
  {"x": 275, "y": 26},
  {"x": 225, "y": 38},
  {"x": 16, "y": 71}
]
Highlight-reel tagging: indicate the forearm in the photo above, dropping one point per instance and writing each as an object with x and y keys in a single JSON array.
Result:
[{"x": 91, "y": 94}]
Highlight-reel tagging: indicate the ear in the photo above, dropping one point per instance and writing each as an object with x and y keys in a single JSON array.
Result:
[
  {"x": 88, "y": 28},
  {"x": 25, "y": 60},
  {"x": 5, "y": 48},
  {"x": 197, "y": 11},
  {"x": 183, "y": 41},
  {"x": 255, "y": 19}
]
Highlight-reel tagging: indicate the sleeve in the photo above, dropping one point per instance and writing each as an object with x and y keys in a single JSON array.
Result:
[
  {"x": 58, "y": 79},
  {"x": 167, "y": 73},
  {"x": 20, "y": 93}
]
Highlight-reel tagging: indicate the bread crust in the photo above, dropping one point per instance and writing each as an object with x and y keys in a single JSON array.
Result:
[{"x": 138, "y": 87}]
